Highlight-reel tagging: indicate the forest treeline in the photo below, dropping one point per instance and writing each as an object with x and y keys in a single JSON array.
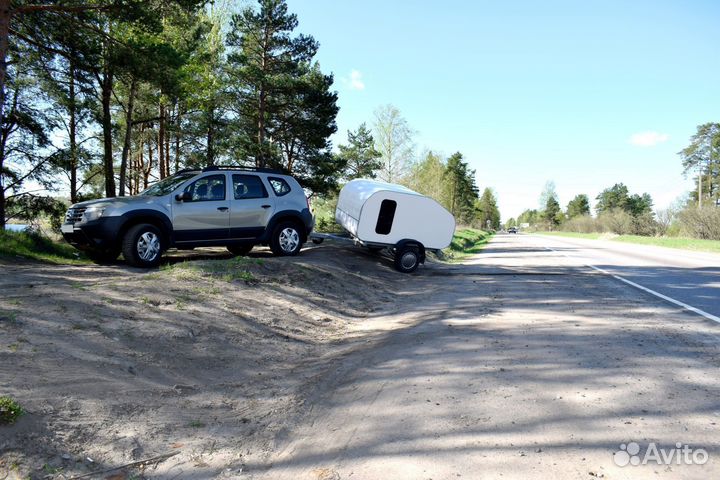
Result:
[
  {"x": 618, "y": 211},
  {"x": 104, "y": 97}
]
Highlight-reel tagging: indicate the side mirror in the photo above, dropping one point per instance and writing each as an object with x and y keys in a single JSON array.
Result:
[{"x": 183, "y": 197}]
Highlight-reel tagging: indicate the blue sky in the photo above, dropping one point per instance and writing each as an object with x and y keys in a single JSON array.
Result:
[{"x": 584, "y": 93}]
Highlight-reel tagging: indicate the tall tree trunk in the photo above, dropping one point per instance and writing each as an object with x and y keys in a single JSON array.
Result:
[
  {"x": 148, "y": 167},
  {"x": 261, "y": 161},
  {"x": 128, "y": 134},
  {"x": 160, "y": 142},
  {"x": 107, "y": 85},
  {"x": 5, "y": 17},
  {"x": 167, "y": 147},
  {"x": 211, "y": 137},
  {"x": 73, "y": 133},
  {"x": 178, "y": 121}
]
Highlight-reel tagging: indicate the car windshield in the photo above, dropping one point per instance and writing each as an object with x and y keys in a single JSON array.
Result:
[{"x": 165, "y": 186}]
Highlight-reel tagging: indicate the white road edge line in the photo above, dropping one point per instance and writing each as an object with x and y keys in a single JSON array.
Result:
[{"x": 690, "y": 308}]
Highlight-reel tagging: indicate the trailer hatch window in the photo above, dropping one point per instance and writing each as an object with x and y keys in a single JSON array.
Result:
[{"x": 386, "y": 217}]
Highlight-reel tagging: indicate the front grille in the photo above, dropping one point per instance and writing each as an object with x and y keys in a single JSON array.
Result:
[{"x": 74, "y": 215}]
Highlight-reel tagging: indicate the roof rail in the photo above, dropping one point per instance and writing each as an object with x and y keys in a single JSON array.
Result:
[{"x": 214, "y": 168}]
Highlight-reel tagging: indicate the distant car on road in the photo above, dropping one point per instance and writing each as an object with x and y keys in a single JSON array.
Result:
[{"x": 512, "y": 230}]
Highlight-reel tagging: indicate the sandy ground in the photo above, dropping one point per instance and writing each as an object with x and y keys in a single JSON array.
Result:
[{"x": 331, "y": 365}]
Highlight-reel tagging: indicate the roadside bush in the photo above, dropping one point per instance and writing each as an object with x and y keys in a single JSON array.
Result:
[
  {"x": 10, "y": 410},
  {"x": 645, "y": 225},
  {"x": 616, "y": 221},
  {"x": 703, "y": 223},
  {"x": 582, "y": 224}
]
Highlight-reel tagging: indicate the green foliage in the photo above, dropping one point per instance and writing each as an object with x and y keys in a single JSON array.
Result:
[
  {"x": 531, "y": 217},
  {"x": 358, "y": 158},
  {"x": 703, "y": 157},
  {"x": 29, "y": 208},
  {"x": 394, "y": 141},
  {"x": 467, "y": 242},
  {"x": 285, "y": 110},
  {"x": 487, "y": 213},
  {"x": 10, "y": 410},
  {"x": 37, "y": 247},
  {"x": 552, "y": 213},
  {"x": 462, "y": 193},
  {"x": 578, "y": 206},
  {"x": 427, "y": 176},
  {"x": 701, "y": 223},
  {"x": 617, "y": 197}
]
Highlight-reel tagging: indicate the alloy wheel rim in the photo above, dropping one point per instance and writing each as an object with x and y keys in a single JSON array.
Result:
[
  {"x": 289, "y": 240},
  {"x": 148, "y": 246}
]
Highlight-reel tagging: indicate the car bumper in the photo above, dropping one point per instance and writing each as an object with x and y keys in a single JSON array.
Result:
[{"x": 98, "y": 234}]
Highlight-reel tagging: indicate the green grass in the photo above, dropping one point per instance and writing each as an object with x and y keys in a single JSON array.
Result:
[
  {"x": 673, "y": 242},
  {"x": 669, "y": 242},
  {"x": 38, "y": 247},
  {"x": 10, "y": 410},
  {"x": 230, "y": 270},
  {"x": 467, "y": 242}
]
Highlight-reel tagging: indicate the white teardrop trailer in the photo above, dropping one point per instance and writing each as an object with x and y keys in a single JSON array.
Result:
[{"x": 385, "y": 216}]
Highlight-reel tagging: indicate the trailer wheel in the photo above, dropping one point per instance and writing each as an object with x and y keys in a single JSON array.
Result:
[
  {"x": 317, "y": 241},
  {"x": 407, "y": 259}
]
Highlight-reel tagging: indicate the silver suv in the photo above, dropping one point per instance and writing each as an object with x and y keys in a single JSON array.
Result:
[{"x": 233, "y": 207}]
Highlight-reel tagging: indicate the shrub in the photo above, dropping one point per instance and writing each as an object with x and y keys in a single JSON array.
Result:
[
  {"x": 10, "y": 410},
  {"x": 582, "y": 224},
  {"x": 703, "y": 223},
  {"x": 616, "y": 221}
]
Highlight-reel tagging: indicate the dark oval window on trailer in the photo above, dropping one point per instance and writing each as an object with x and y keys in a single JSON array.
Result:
[{"x": 386, "y": 217}]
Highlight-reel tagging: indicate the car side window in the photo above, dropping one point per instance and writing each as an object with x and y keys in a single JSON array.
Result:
[
  {"x": 248, "y": 186},
  {"x": 207, "y": 189},
  {"x": 279, "y": 186}
]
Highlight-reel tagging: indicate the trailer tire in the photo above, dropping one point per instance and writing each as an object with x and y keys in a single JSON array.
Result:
[
  {"x": 317, "y": 241},
  {"x": 407, "y": 259}
]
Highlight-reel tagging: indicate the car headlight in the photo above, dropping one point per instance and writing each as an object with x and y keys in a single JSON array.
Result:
[{"x": 93, "y": 213}]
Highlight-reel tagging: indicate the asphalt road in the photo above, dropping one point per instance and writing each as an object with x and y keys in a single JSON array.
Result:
[
  {"x": 692, "y": 278},
  {"x": 524, "y": 363}
]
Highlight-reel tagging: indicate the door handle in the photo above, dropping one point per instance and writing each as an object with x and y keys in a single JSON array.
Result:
[
  {"x": 223, "y": 209},
  {"x": 266, "y": 206}
]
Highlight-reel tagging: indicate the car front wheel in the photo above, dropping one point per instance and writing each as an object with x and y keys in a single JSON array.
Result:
[{"x": 142, "y": 246}]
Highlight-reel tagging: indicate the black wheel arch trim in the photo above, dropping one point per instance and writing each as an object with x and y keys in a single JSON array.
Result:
[
  {"x": 155, "y": 217},
  {"x": 304, "y": 218}
]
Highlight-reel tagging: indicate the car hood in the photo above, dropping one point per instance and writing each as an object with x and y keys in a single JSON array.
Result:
[{"x": 116, "y": 202}]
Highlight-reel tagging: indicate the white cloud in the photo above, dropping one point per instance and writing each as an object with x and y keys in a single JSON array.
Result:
[
  {"x": 355, "y": 81},
  {"x": 648, "y": 139}
]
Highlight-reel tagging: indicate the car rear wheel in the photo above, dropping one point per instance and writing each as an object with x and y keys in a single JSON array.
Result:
[
  {"x": 142, "y": 246},
  {"x": 286, "y": 240}
]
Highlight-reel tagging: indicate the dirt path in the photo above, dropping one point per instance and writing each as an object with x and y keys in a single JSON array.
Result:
[
  {"x": 521, "y": 365},
  {"x": 331, "y": 365}
]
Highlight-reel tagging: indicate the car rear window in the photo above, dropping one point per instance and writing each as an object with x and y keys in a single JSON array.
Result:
[{"x": 279, "y": 186}]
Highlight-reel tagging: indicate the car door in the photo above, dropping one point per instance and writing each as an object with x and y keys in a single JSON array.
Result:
[
  {"x": 251, "y": 207},
  {"x": 204, "y": 214}
]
